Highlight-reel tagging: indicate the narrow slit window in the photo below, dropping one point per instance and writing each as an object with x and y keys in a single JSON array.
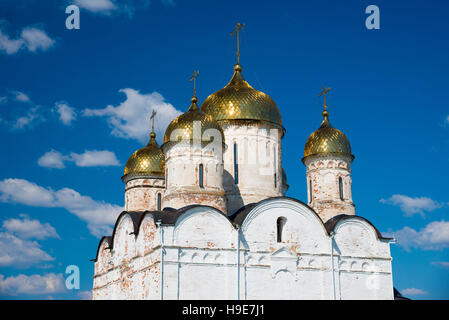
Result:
[
  {"x": 236, "y": 166},
  {"x": 275, "y": 167},
  {"x": 340, "y": 186},
  {"x": 310, "y": 190},
  {"x": 280, "y": 226},
  {"x": 159, "y": 202},
  {"x": 201, "y": 176}
]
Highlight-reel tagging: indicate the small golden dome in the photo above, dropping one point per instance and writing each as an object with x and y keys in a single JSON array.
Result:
[
  {"x": 185, "y": 122},
  {"x": 327, "y": 140},
  {"x": 147, "y": 161},
  {"x": 239, "y": 101}
]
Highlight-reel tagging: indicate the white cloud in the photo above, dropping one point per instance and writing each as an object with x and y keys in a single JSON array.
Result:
[
  {"x": 28, "y": 228},
  {"x": 96, "y": 6},
  {"x": 8, "y": 45},
  {"x": 131, "y": 119},
  {"x": 20, "y": 96},
  {"x": 31, "y": 117},
  {"x": 434, "y": 236},
  {"x": 32, "y": 285},
  {"x": 413, "y": 292},
  {"x": 36, "y": 39},
  {"x": 52, "y": 159},
  {"x": 110, "y": 7},
  {"x": 66, "y": 113},
  {"x": 444, "y": 264},
  {"x": 90, "y": 158},
  {"x": 411, "y": 206},
  {"x": 95, "y": 158},
  {"x": 85, "y": 295},
  {"x": 98, "y": 214},
  {"x": 31, "y": 38},
  {"x": 20, "y": 253}
]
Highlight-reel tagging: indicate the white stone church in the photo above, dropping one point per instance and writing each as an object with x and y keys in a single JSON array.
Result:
[{"x": 207, "y": 217}]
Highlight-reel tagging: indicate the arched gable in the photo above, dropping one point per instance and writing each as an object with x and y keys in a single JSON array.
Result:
[
  {"x": 356, "y": 236},
  {"x": 303, "y": 230},
  {"x": 124, "y": 239},
  {"x": 203, "y": 226},
  {"x": 148, "y": 235},
  {"x": 103, "y": 255}
]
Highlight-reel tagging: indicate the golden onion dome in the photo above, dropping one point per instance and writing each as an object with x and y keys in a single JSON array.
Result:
[
  {"x": 146, "y": 162},
  {"x": 239, "y": 101},
  {"x": 327, "y": 140},
  {"x": 184, "y": 125}
]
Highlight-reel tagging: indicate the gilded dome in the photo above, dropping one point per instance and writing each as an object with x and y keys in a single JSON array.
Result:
[
  {"x": 184, "y": 124},
  {"x": 327, "y": 140},
  {"x": 239, "y": 101},
  {"x": 147, "y": 161}
]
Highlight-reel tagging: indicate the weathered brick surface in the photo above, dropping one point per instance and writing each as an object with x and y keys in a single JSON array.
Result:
[
  {"x": 323, "y": 187},
  {"x": 200, "y": 258},
  {"x": 141, "y": 194}
]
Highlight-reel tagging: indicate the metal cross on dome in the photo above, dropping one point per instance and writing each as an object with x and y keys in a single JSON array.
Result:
[
  {"x": 238, "y": 27},
  {"x": 323, "y": 93},
  {"x": 193, "y": 78},
  {"x": 153, "y": 115}
]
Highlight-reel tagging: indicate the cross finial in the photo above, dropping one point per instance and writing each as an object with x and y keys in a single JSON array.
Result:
[
  {"x": 193, "y": 78},
  {"x": 153, "y": 115},
  {"x": 238, "y": 27},
  {"x": 323, "y": 93}
]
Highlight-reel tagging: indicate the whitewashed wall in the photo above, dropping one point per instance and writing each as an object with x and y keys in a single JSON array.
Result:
[
  {"x": 259, "y": 158},
  {"x": 182, "y": 176},
  {"x": 200, "y": 258},
  {"x": 323, "y": 191}
]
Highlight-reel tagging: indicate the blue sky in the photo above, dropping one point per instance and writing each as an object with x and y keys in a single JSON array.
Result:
[{"x": 74, "y": 106}]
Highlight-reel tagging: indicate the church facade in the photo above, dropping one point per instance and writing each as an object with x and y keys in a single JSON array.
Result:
[{"x": 207, "y": 217}]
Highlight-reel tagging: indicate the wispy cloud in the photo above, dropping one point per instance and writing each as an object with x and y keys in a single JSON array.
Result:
[
  {"x": 28, "y": 228},
  {"x": 32, "y": 285},
  {"x": 19, "y": 121},
  {"x": 115, "y": 7},
  {"x": 66, "y": 113},
  {"x": 20, "y": 96},
  {"x": 96, "y": 6},
  {"x": 33, "y": 116},
  {"x": 20, "y": 253},
  {"x": 443, "y": 264},
  {"x": 413, "y": 292},
  {"x": 434, "y": 236},
  {"x": 90, "y": 158},
  {"x": 411, "y": 206},
  {"x": 85, "y": 295},
  {"x": 98, "y": 214},
  {"x": 31, "y": 39},
  {"x": 130, "y": 119}
]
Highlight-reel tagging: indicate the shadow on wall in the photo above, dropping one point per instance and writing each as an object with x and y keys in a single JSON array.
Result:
[{"x": 233, "y": 189}]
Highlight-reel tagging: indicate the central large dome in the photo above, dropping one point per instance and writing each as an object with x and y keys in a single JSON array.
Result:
[{"x": 239, "y": 101}]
